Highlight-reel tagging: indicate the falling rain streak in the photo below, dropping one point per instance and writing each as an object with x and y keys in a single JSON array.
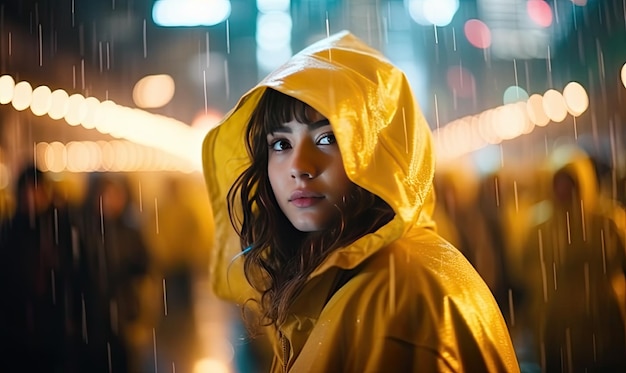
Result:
[
  {"x": 156, "y": 215},
  {"x": 164, "y": 298},
  {"x": 392, "y": 285}
]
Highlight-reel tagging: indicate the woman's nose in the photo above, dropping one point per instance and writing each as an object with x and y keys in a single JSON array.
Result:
[{"x": 303, "y": 162}]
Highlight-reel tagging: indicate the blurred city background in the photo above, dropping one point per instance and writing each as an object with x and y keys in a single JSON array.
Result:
[{"x": 111, "y": 99}]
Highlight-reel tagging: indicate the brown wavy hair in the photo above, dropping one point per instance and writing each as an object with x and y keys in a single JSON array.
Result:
[{"x": 278, "y": 258}]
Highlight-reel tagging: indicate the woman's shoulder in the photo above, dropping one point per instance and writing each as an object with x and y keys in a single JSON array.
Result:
[
  {"x": 420, "y": 288},
  {"x": 422, "y": 271},
  {"x": 424, "y": 257}
]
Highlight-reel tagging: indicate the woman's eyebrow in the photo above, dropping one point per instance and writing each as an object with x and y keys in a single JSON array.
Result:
[
  {"x": 319, "y": 123},
  {"x": 312, "y": 126},
  {"x": 281, "y": 129}
]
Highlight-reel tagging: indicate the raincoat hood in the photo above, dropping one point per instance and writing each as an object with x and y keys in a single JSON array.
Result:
[
  {"x": 576, "y": 163},
  {"x": 383, "y": 137}
]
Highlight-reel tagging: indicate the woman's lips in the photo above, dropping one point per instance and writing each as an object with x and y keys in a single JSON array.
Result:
[
  {"x": 306, "y": 201},
  {"x": 303, "y": 198}
]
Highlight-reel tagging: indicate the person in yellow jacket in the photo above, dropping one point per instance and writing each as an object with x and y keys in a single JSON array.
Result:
[
  {"x": 574, "y": 277},
  {"x": 320, "y": 181}
]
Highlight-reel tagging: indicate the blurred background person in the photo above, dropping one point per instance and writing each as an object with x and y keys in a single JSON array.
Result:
[
  {"x": 495, "y": 209},
  {"x": 180, "y": 241},
  {"x": 468, "y": 216},
  {"x": 40, "y": 319},
  {"x": 575, "y": 266},
  {"x": 117, "y": 264},
  {"x": 179, "y": 237}
]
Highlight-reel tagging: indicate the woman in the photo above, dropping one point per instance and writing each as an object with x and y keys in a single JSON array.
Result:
[{"x": 333, "y": 247}]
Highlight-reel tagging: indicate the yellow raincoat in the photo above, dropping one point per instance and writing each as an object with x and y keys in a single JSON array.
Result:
[{"x": 413, "y": 303}]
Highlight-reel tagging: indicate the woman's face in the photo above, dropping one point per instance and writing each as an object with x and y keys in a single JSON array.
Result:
[{"x": 306, "y": 173}]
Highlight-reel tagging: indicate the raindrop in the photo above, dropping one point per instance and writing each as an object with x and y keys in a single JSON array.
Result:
[
  {"x": 164, "y": 298},
  {"x": 154, "y": 350},
  {"x": 145, "y": 40},
  {"x": 542, "y": 263},
  {"x": 227, "y": 37},
  {"x": 156, "y": 214},
  {"x": 392, "y": 285},
  {"x": 511, "y": 308}
]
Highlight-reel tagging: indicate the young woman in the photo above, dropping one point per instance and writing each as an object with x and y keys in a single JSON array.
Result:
[{"x": 324, "y": 170}]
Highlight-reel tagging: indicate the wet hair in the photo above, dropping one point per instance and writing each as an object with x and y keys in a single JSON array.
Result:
[{"x": 278, "y": 258}]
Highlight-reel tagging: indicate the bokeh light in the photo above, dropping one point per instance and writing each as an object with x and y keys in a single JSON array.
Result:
[
  {"x": 273, "y": 30},
  {"x": 206, "y": 120},
  {"x": 154, "y": 91},
  {"x": 461, "y": 81},
  {"x": 103, "y": 116},
  {"x": 189, "y": 13},
  {"x": 120, "y": 159},
  {"x": 102, "y": 156},
  {"x": 539, "y": 12},
  {"x": 269, "y": 59},
  {"x": 554, "y": 105},
  {"x": 22, "y": 95},
  {"x": 55, "y": 157},
  {"x": 529, "y": 125},
  {"x": 77, "y": 157},
  {"x": 209, "y": 365},
  {"x": 440, "y": 12},
  {"x": 508, "y": 121},
  {"x": 485, "y": 127},
  {"x": 535, "y": 111},
  {"x": 417, "y": 12},
  {"x": 514, "y": 94},
  {"x": 42, "y": 100},
  {"x": 76, "y": 109},
  {"x": 266, "y": 6},
  {"x": 40, "y": 155},
  {"x": 92, "y": 105},
  {"x": 7, "y": 86},
  {"x": 477, "y": 33},
  {"x": 107, "y": 155},
  {"x": 58, "y": 104},
  {"x": 576, "y": 98}
]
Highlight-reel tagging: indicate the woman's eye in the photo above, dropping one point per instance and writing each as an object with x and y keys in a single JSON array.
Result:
[
  {"x": 327, "y": 139},
  {"x": 279, "y": 145}
]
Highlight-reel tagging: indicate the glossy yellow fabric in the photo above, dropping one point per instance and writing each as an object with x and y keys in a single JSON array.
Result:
[{"x": 413, "y": 303}]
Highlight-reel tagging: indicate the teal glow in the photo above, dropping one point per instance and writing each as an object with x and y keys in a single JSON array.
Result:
[
  {"x": 514, "y": 94},
  {"x": 190, "y": 13}
]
